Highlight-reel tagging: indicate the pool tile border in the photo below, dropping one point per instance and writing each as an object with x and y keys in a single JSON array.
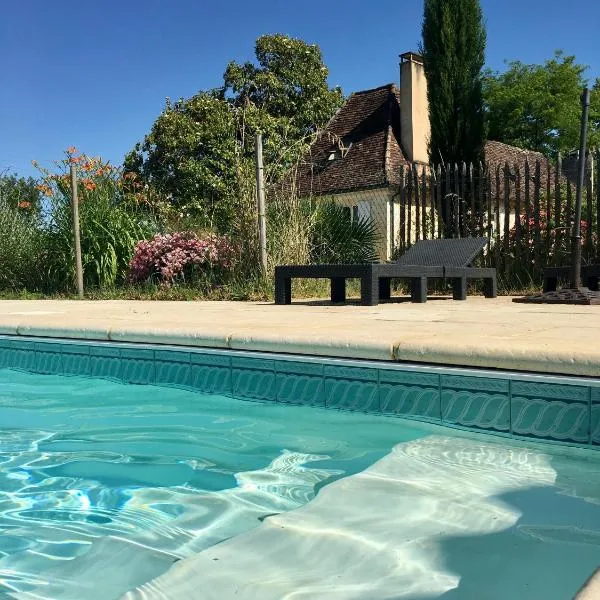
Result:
[{"x": 543, "y": 407}]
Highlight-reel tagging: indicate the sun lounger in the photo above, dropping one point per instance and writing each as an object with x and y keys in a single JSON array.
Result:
[{"x": 425, "y": 260}]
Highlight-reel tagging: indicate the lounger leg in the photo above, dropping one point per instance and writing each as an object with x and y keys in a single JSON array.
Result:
[
  {"x": 550, "y": 284},
  {"x": 490, "y": 287},
  {"x": 592, "y": 283},
  {"x": 283, "y": 290},
  {"x": 385, "y": 288},
  {"x": 459, "y": 288},
  {"x": 369, "y": 291},
  {"x": 338, "y": 289},
  {"x": 418, "y": 289}
]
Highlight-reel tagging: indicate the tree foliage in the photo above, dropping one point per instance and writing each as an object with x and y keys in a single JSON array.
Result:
[
  {"x": 199, "y": 152},
  {"x": 538, "y": 107},
  {"x": 453, "y": 48},
  {"x": 289, "y": 82},
  {"x": 19, "y": 192}
]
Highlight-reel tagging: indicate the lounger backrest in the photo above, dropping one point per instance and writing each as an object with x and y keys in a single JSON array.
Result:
[{"x": 456, "y": 252}]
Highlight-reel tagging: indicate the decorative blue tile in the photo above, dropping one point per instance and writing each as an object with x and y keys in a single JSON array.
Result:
[
  {"x": 48, "y": 359},
  {"x": 552, "y": 411},
  {"x": 351, "y": 388},
  {"x": 255, "y": 364},
  {"x": 253, "y": 378},
  {"x": 173, "y": 368},
  {"x": 76, "y": 359},
  {"x": 409, "y": 394},
  {"x": 5, "y": 353},
  {"x": 23, "y": 355},
  {"x": 211, "y": 373},
  {"x": 138, "y": 365},
  {"x": 351, "y": 372},
  {"x": 479, "y": 402},
  {"x": 595, "y": 416},
  {"x": 299, "y": 383},
  {"x": 105, "y": 362}
]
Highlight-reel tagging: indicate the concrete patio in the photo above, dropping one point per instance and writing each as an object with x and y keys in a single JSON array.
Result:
[{"x": 478, "y": 333}]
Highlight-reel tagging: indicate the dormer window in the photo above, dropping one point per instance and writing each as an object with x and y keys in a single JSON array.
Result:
[{"x": 340, "y": 150}]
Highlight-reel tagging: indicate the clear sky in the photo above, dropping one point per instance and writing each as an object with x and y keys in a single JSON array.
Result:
[{"x": 95, "y": 74}]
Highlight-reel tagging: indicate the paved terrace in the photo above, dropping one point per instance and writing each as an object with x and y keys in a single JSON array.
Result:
[{"x": 479, "y": 332}]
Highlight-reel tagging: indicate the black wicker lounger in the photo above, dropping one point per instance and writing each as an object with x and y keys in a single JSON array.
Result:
[{"x": 428, "y": 259}]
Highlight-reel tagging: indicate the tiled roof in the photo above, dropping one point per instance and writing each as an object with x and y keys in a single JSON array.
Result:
[
  {"x": 368, "y": 126},
  {"x": 498, "y": 154},
  {"x": 360, "y": 148}
]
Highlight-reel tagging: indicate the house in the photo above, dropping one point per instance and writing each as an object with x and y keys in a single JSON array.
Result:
[{"x": 358, "y": 158}]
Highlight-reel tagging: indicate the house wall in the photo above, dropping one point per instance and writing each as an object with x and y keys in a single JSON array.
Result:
[
  {"x": 384, "y": 207},
  {"x": 378, "y": 203}
]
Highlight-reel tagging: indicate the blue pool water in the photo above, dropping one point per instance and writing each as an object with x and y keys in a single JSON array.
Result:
[
  {"x": 96, "y": 474},
  {"x": 106, "y": 486}
]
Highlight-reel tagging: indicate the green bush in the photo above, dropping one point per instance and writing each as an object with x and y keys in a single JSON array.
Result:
[
  {"x": 114, "y": 215},
  {"x": 109, "y": 233},
  {"x": 20, "y": 248}
]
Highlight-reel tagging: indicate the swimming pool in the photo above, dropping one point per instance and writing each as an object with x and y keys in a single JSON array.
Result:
[
  {"x": 179, "y": 486},
  {"x": 96, "y": 474}
]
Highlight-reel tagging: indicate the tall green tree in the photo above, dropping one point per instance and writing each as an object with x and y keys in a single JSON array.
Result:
[
  {"x": 538, "y": 107},
  {"x": 453, "y": 49},
  {"x": 289, "y": 82},
  {"x": 199, "y": 152}
]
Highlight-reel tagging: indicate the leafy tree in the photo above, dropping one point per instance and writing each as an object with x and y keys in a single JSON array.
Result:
[
  {"x": 189, "y": 155},
  {"x": 290, "y": 82},
  {"x": 453, "y": 49},
  {"x": 538, "y": 107},
  {"x": 19, "y": 192},
  {"x": 199, "y": 153}
]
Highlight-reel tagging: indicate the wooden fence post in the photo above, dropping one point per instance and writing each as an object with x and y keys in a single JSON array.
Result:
[
  {"x": 402, "y": 230},
  {"x": 260, "y": 196},
  {"x": 558, "y": 209},
  {"x": 76, "y": 232}
]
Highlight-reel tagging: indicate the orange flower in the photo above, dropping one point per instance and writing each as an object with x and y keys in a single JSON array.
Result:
[
  {"x": 71, "y": 150},
  {"x": 45, "y": 189},
  {"x": 24, "y": 204},
  {"x": 89, "y": 185}
]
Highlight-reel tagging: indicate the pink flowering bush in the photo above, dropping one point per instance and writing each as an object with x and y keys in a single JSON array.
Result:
[{"x": 183, "y": 256}]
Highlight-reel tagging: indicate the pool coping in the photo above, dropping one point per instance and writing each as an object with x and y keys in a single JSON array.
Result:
[{"x": 526, "y": 406}]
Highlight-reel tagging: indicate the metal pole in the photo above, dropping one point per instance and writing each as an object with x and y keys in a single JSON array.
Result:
[
  {"x": 260, "y": 195},
  {"x": 576, "y": 233},
  {"x": 76, "y": 236}
]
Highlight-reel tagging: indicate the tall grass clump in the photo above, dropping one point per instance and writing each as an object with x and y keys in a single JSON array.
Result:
[
  {"x": 21, "y": 244},
  {"x": 113, "y": 218}
]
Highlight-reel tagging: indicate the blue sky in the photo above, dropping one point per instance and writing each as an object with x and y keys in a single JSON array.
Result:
[{"x": 95, "y": 74}]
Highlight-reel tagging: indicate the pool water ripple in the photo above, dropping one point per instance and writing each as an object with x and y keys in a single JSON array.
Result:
[{"x": 96, "y": 474}]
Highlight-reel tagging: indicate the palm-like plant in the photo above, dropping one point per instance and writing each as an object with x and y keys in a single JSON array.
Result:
[{"x": 336, "y": 238}]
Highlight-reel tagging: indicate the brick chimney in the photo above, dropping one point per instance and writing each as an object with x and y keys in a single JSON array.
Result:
[{"x": 414, "y": 109}]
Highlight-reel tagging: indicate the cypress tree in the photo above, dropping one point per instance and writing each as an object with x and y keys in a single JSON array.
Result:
[{"x": 453, "y": 50}]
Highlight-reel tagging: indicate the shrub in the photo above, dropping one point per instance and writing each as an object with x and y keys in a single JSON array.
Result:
[
  {"x": 113, "y": 218},
  {"x": 181, "y": 256},
  {"x": 336, "y": 238},
  {"x": 20, "y": 247}
]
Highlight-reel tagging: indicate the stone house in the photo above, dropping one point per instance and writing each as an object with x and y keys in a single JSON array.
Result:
[{"x": 357, "y": 159}]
